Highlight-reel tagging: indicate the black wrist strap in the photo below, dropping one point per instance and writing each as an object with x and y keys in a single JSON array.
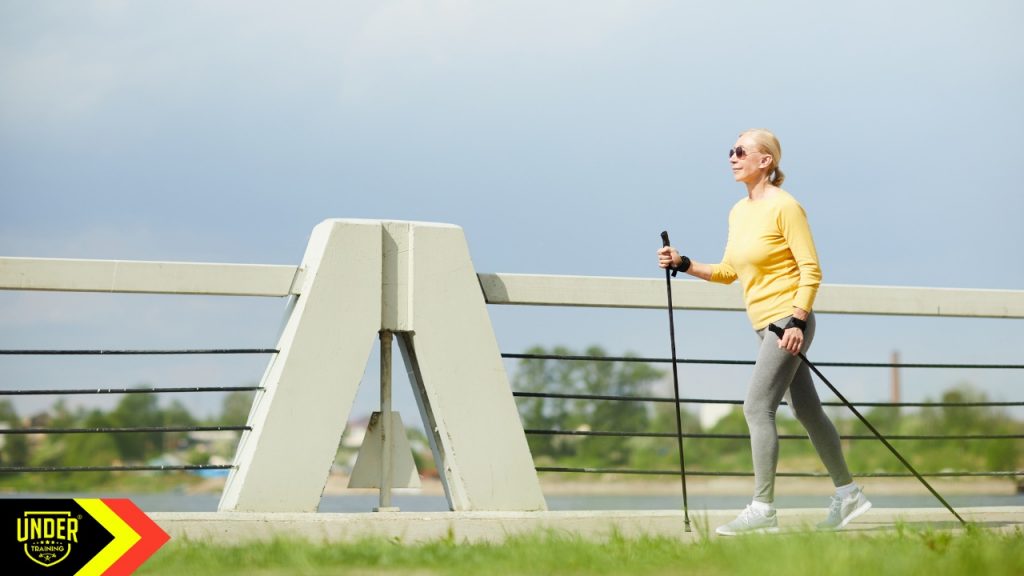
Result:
[
  {"x": 683, "y": 266},
  {"x": 795, "y": 322}
]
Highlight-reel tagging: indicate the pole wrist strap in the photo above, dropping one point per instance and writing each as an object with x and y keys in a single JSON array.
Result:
[
  {"x": 684, "y": 265},
  {"x": 795, "y": 322}
]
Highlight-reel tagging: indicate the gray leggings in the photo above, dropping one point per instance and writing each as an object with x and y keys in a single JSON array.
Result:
[{"x": 777, "y": 373}]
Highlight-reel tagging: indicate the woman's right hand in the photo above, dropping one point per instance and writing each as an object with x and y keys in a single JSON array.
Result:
[{"x": 669, "y": 257}]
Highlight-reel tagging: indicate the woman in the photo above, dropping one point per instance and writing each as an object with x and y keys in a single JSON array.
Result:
[{"x": 771, "y": 251}]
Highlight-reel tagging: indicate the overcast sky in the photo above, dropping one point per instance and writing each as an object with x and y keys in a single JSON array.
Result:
[{"x": 562, "y": 136}]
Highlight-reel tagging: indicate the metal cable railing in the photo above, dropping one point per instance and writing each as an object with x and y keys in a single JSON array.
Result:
[
  {"x": 511, "y": 356},
  {"x": 79, "y": 392},
  {"x": 127, "y": 468},
  {"x": 125, "y": 430},
  {"x": 996, "y": 474},
  {"x": 95, "y": 352},
  {"x": 731, "y": 436},
  {"x": 723, "y": 436},
  {"x": 145, "y": 390},
  {"x": 613, "y": 397},
  {"x": 517, "y": 394},
  {"x": 130, "y": 429}
]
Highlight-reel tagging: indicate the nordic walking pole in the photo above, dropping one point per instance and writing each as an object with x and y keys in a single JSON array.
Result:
[
  {"x": 779, "y": 332},
  {"x": 675, "y": 384}
]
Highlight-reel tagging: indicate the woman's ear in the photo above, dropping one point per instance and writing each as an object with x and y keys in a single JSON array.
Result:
[{"x": 766, "y": 161}]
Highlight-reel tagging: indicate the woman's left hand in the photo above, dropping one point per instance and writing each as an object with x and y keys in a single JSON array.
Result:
[{"x": 792, "y": 340}]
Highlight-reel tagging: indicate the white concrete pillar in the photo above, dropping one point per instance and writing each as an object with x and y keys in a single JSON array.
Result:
[
  {"x": 282, "y": 465},
  {"x": 459, "y": 379},
  {"x": 416, "y": 280}
]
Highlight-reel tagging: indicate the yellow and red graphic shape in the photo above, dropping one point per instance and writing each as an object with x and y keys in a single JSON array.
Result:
[
  {"x": 136, "y": 536},
  {"x": 151, "y": 536},
  {"x": 75, "y": 537}
]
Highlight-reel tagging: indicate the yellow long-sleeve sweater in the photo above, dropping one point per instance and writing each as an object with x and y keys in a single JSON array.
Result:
[{"x": 771, "y": 250}]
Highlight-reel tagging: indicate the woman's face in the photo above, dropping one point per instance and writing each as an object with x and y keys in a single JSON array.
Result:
[{"x": 747, "y": 163}]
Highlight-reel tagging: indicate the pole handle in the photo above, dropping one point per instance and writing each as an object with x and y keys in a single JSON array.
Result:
[
  {"x": 665, "y": 242},
  {"x": 776, "y": 330}
]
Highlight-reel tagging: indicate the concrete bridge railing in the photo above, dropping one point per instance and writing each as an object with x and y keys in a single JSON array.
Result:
[{"x": 361, "y": 280}]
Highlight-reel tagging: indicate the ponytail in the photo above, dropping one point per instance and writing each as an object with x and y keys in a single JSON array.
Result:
[{"x": 779, "y": 177}]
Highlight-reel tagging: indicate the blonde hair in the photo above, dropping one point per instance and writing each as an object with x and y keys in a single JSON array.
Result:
[{"x": 769, "y": 144}]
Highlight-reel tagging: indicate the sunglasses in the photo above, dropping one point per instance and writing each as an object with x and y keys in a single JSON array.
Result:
[{"x": 739, "y": 152}]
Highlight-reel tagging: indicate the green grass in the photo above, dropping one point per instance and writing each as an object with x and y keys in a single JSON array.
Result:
[{"x": 901, "y": 551}]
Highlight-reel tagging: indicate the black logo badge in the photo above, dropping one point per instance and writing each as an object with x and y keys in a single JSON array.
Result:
[{"x": 51, "y": 537}]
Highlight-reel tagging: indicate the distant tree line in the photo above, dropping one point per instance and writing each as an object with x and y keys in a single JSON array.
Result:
[
  {"x": 140, "y": 410},
  {"x": 605, "y": 378}
]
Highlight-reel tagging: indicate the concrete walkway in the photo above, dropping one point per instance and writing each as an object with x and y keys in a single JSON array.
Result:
[{"x": 234, "y": 528}]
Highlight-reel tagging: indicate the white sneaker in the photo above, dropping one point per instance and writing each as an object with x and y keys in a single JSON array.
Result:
[
  {"x": 750, "y": 521},
  {"x": 843, "y": 510}
]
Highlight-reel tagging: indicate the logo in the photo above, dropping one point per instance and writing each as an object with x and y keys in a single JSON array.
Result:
[
  {"x": 77, "y": 537},
  {"x": 47, "y": 536}
]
